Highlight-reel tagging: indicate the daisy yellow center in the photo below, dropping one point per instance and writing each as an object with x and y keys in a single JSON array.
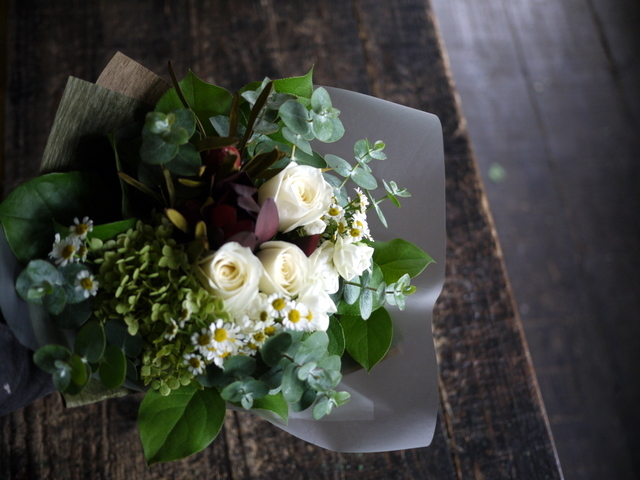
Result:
[
  {"x": 264, "y": 316},
  {"x": 310, "y": 316},
  {"x": 220, "y": 335},
  {"x": 86, "y": 283},
  {"x": 355, "y": 232},
  {"x": 341, "y": 228},
  {"x": 259, "y": 337},
  {"x": 82, "y": 251},
  {"x": 225, "y": 354},
  {"x": 334, "y": 211},
  {"x": 294, "y": 316},
  {"x": 204, "y": 340},
  {"x": 68, "y": 251},
  {"x": 270, "y": 330},
  {"x": 81, "y": 229},
  {"x": 279, "y": 304},
  {"x": 195, "y": 362}
]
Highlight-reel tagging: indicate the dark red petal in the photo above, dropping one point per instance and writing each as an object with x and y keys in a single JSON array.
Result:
[{"x": 267, "y": 221}]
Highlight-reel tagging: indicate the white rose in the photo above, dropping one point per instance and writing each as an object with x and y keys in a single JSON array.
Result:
[
  {"x": 351, "y": 259},
  {"x": 302, "y": 196},
  {"x": 232, "y": 273},
  {"x": 322, "y": 267},
  {"x": 285, "y": 267}
]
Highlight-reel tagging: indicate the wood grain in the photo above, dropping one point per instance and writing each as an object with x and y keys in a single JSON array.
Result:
[
  {"x": 492, "y": 424},
  {"x": 545, "y": 90}
]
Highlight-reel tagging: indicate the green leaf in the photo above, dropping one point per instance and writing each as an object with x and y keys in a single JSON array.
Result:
[
  {"x": 69, "y": 274},
  {"x": 117, "y": 334},
  {"x": 154, "y": 150},
  {"x": 239, "y": 366},
  {"x": 336, "y": 337},
  {"x": 337, "y": 132},
  {"x": 339, "y": 165},
  {"x": 273, "y": 403},
  {"x": 366, "y": 303},
  {"x": 179, "y": 424},
  {"x": 186, "y": 162},
  {"x": 28, "y": 211},
  {"x": 397, "y": 257},
  {"x": 364, "y": 179},
  {"x": 113, "y": 368},
  {"x": 79, "y": 373},
  {"x": 314, "y": 348},
  {"x": 295, "y": 117},
  {"x": 275, "y": 347},
  {"x": 297, "y": 140},
  {"x": 62, "y": 376},
  {"x": 292, "y": 386},
  {"x": 315, "y": 160},
  {"x": 298, "y": 86},
  {"x": 368, "y": 341},
  {"x": 46, "y": 357},
  {"x": 56, "y": 301},
  {"x": 110, "y": 230},
  {"x": 320, "y": 100},
  {"x": 186, "y": 120},
  {"x": 74, "y": 315},
  {"x": 206, "y": 100},
  {"x": 322, "y": 127},
  {"x": 91, "y": 342}
]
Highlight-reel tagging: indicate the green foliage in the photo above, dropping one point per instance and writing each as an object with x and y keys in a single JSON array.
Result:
[
  {"x": 399, "y": 257},
  {"x": 204, "y": 99},
  {"x": 368, "y": 341},
  {"x": 273, "y": 403},
  {"x": 91, "y": 342},
  {"x": 28, "y": 212},
  {"x": 113, "y": 368},
  {"x": 165, "y": 140},
  {"x": 181, "y": 424}
]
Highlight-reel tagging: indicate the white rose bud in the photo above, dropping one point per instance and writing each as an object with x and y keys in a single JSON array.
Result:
[
  {"x": 285, "y": 267},
  {"x": 351, "y": 259},
  {"x": 302, "y": 196},
  {"x": 232, "y": 273}
]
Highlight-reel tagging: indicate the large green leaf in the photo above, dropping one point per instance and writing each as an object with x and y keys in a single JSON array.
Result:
[
  {"x": 273, "y": 403},
  {"x": 180, "y": 424},
  {"x": 397, "y": 257},
  {"x": 29, "y": 211},
  {"x": 368, "y": 341},
  {"x": 206, "y": 100},
  {"x": 298, "y": 86},
  {"x": 113, "y": 368}
]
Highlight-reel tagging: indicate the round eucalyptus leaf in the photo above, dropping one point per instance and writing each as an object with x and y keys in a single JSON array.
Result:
[
  {"x": 338, "y": 131},
  {"x": 91, "y": 341},
  {"x": 69, "y": 274},
  {"x": 296, "y": 117},
  {"x": 322, "y": 407},
  {"x": 322, "y": 127},
  {"x": 292, "y": 386},
  {"x": 27, "y": 291},
  {"x": 40, "y": 271},
  {"x": 62, "y": 378},
  {"x": 339, "y": 165},
  {"x": 74, "y": 315},
  {"x": 56, "y": 301},
  {"x": 274, "y": 348},
  {"x": 155, "y": 150},
  {"x": 239, "y": 366},
  {"x": 364, "y": 179},
  {"x": 320, "y": 100},
  {"x": 79, "y": 373},
  {"x": 186, "y": 120},
  {"x": 47, "y": 356},
  {"x": 186, "y": 162}
]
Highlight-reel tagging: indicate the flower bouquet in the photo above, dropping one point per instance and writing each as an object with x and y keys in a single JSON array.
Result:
[{"x": 215, "y": 250}]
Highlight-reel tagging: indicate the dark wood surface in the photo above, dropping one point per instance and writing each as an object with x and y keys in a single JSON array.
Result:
[
  {"x": 550, "y": 93},
  {"x": 492, "y": 422}
]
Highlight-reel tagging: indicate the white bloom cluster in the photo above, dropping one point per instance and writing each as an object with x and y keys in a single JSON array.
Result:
[
  {"x": 73, "y": 248},
  {"x": 279, "y": 287}
]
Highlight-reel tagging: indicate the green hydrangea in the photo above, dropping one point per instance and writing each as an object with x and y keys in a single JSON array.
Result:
[{"x": 147, "y": 281}]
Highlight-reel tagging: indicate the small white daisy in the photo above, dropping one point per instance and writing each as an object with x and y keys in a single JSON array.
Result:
[
  {"x": 296, "y": 317},
  {"x": 276, "y": 305},
  {"x": 362, "y": 202},
  {"x": 194, "y": 363},
  {"x": 80, "y": 229},
  {"x": 86, "y": 283},
  {"x": 224, "y": 336},
  {"x": 202, "y": 341},
  {"x": 64, "y": 251},
  {"x": 171, "y": 331}
]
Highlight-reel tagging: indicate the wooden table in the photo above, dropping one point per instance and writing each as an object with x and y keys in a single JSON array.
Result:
[{"x": 492, "y": 422}]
